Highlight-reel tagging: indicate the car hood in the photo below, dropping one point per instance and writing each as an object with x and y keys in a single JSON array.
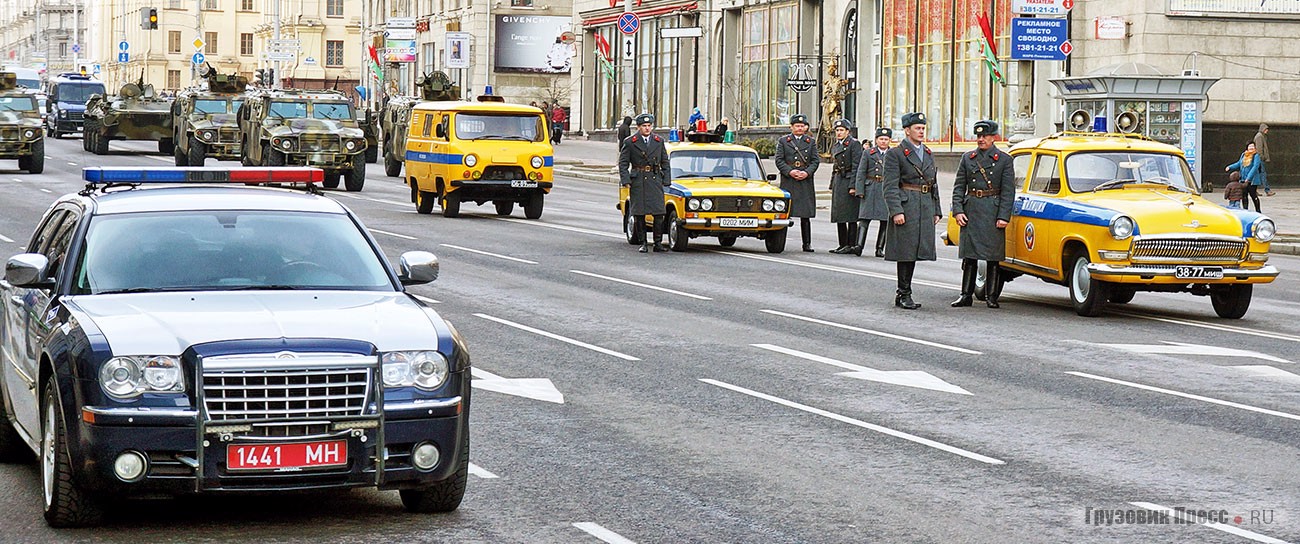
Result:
[
  {"x": 17, "y": 118},
  {"x": 1161, "y": 211},
  {"x": 295, "y": 127},
  {"x": 728, "y": 187},
  {"x": 168, "y": 323},
  {"x": 511, "y": 152},
  {"x": 214, "y": 120}
]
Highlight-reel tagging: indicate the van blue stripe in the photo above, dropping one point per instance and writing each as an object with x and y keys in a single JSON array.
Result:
[
  {"x": 1052, "y": 209},
  {"x": 435, "y": 158}
]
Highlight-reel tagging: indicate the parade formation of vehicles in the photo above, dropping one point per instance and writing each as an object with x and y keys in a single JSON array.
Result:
[{"x": 292, "y": 127}]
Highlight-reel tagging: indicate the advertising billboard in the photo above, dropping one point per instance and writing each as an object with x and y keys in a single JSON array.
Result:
[{"x": 533, "y": 44}]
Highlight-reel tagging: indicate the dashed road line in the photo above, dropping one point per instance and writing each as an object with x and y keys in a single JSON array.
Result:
[
  {"x": 371, "y": 199},
  {"x": 646, "y": 286},
  {"x": 6, "y": 239},
  {"x": 554, "y": 336},
  {"x": 489, "y": 254},
  {"x": 1211, "y": 524},
  {"x": 394, "y": 234},
  {"x": 1191, "y": 396},
  {"x": 426, "y": 299},
  {"x": 877, "y": 333},
  {"x": 44, "y": 190},
  {"x": 481, "y": 472},
  {"x": 1222, "y": 327},
  {"x": 600, "y": 233},
  {"x": 602, "y": 533}
]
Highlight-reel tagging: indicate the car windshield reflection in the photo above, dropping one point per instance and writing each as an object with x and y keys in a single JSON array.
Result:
[
  {"x": 715, "y": 164},
  {"x": 1101, "y": 171}
]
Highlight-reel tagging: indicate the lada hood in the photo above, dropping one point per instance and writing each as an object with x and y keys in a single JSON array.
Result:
[
  {"x": 168, "y": 323},
  {"x": 17, "y": 118},
  {"x": 1162, "y": 211},
  {"x": 297, "y": 127},
  {"x": 699, "y": 187},
  {"x": 508, "y": 152},
  {"x": 214, "y": 120}
]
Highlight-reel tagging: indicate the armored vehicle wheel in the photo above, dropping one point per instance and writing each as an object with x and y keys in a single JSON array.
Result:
[
  {"x": 504, "y": 207},
  {"x": 775, "y": 241},
  {"x": 424, "y": 201},
  {"x": 1231, "y": 301},
  {"x": 198, "y": 152},
  {"x": 677, "y": 237},
  {"x": 179, "y": 157},
  {"x": 451, "y": 205},
  {"x": 392, "y": 166},
  {"x": 1086, "y": 294},
  {"x": 372, "y": 154},
  {"x": 85, "y": 135},
  {"x": 100, "y": 145},
  {"x": 355, "y": 178},
  {"x": 533, "y": 208},
  {"x": 331, "y": 179},
  {"x": 444, "y": 496},
  {"x": 166, "y": 145},
  {"x": 273, "y": 156},
  {"x": 727, "y": 240},
  {"x": 66, "y": 504},
  {"x": 35, "y": 162}
]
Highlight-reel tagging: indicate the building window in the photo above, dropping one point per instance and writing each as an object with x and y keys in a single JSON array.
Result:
[
  {"x": 245, "y": 5},
  {"x": 246, "y": 43},
  {"x": 768, "y": 41},
  {"x": 174, "y": 4},
  {"x": 63, "y": 50},
  {"x": 211, "y": 47},
  {"x": 334, "y": 8},
  {"x": 173, "y": 41},
  {"x": 173, "y": 79},
  {"x": 656, "y": 71},
  {"x": 210, "y": 5},
  {"x": 334, "y": 53},
  {"x": 521, "y": 3}
]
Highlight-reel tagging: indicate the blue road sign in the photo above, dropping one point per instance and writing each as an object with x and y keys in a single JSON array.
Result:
[
  {"x": 123, "y": 46},
  {"x": 629, "y": 23},
  {"x": 198, "y": 58},
  {"x": 123, "y": 57},
  {"x": 76, "y": 48},
  {"x": 1039, "y": 39}
]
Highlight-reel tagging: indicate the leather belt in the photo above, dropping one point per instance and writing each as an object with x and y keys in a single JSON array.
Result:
[
  {"x": 914, "y": 187},
  {"x": 981, "y": 193},
  {"x": 645, "y": 169}
]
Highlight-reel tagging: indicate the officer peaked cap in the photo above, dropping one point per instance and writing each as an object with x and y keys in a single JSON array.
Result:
[
  {"x": 986, "y": 128},
  {"x": 884, "y": 131},
  {"x": 798, "y": 118},
  {"x": 842, "y": 123},
  {"x": 645, "y": 118},
  {"x": 914, "y": 118}
]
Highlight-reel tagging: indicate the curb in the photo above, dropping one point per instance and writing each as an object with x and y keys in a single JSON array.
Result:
[{"x": 1284, "y": 249}]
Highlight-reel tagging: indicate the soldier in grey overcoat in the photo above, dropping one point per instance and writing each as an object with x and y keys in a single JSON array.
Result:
[
  {"x": 643, "y": 168},
  {"x": 869, "y": 187},
  {"x": 797, "y": 160},
  {"x": 846, "y": 153},
  {"x": 910, "y": 195},
  {"x": 982, "y": 196}
]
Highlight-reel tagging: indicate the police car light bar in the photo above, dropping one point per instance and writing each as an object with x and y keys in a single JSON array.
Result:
[{"x": 211, "y": 174}]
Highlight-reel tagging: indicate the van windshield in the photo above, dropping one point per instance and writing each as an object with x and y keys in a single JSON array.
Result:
[
  {"x": 78, "y": 92},
  {"x": 480, "y": 126}
]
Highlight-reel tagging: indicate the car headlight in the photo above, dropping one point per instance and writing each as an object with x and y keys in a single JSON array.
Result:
[
  {"x": 127, "y": 377},
  {"x": 471, "y": 160},
  {"x": 350, "y": 145},
  {"x": 424, "y": 369},
  {"x": 693, "y": 204},
  {"x": 536, "y": 162},
  {"x": 706, "y": 204},
  {"x": 63, "y": 114},
  {"x": 29, "y": 133},
  {"x": 1264, "y": 229},
  {"x": 780, "y": 205},
  {"x": 1121, "y": 227},
  {"x": 206, "y": 135},
  {"x": 286, "y": 144},
  {"x": 768, "y": 205}
]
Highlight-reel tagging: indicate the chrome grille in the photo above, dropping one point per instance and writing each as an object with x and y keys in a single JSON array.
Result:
[
  {"x": 76, "y": 115},
  {"x": 1171, "y": 250},
  {"x": 737, "y": 204},
  {"x": 275, "y": 387}
]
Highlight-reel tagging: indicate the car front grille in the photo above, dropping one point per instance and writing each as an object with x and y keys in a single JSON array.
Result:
[
  {"x": 9, "y": 134},
  {"x": 330, "y": 144},
  {"x": 228, "y": 135},
  {"x": 737, "y": 204},
  {"x": 76, "y": 115},
  {"x": 1191, "y": 249},
  {"x": 503, "y": 173},
  {"x": 275, "y": 387}
]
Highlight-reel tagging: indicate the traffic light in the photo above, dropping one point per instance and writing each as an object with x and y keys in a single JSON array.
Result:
[
  {"x": 259, "y": 77},
  {"x": 270, "y": 77},
  {"x": 149, "y": 18}
]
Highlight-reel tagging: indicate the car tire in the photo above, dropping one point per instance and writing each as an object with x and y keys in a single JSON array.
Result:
[
  {"x": 981, "y": 277},
  {"x": 444, "y": 496},
  {"x": 355, "y": 178},
  {"x": 392, "y": 166},
  {"x": 1122, "y": 295},
  {"x": 179, "y": 157},
  {"x": 166, "y": 146},
  {"x": 424, "y": 201},
  {"x": 66, "y": 504},
  {"x": 727, "y": 240},
  {"x": 86, "y": 132},
  {"x": 273, "y": 156},
  {"x": 1087, "y": 295},
  {"x": 629, "y": 227},
  {"x": 450, "y": 205},
  {"x": 198, "y": 152},
  {"x": 331, "y": 179},
  {"x": 533, "y": 208},
  {"x": 1231, "y": 301},
  {"x": 678, "y": 240},
  {"x": 775, "y": 241},
  {"x": 36, "y": 161},
  {"x": 372, "y": 154},
  {"x": 504, "y": 207}
]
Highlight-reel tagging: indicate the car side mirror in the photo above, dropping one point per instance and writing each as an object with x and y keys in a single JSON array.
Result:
[
  {"x": 440, "y": 131},
  {"x": 771, "y": 178},
  {"x": 417, "y": 268},
  {"x": 28, "y": 270}
]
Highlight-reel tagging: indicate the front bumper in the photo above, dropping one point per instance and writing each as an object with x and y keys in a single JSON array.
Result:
[
  {"x": 334, "y": 161},
  {"x": 497, "y": 189},
  {"x": 14, "y": 150},
  {"x": 1167, "y": 274}
]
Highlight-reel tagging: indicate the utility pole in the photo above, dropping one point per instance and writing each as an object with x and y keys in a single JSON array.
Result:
[
  {"x": 76, "y": 35},
  {"x": 198, "y": 33},
  {"x": 275, "y": 81}
]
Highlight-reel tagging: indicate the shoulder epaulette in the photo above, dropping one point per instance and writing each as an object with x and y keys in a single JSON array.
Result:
[{"x": 657, "y": 139}]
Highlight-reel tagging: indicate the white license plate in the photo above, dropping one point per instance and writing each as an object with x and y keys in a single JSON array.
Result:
[
  {"x": 727, "y": 222},
  {"x": 523, "y": 183},
  {"x": 1199, "y": 272}
]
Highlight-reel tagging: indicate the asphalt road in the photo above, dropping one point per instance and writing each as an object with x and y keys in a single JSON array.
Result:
[{"x": 737, "y": 396}]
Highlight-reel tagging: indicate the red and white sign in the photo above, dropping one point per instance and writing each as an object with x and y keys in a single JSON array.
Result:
[
  {"x": 1110, "y": 28},
  {"x": 286, "y": 456},
  {"x": 1041, "y": 7},
  {"x": 1066, "y": 47}
]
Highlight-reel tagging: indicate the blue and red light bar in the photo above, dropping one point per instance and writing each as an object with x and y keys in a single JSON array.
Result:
[{"x": 208, "y": 174}]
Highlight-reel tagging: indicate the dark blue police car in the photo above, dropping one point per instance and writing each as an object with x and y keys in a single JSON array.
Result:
[{"x": 214, "y": 337}]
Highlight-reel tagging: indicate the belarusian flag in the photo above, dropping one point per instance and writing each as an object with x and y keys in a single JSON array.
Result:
[{"x": 990, "y": 49}]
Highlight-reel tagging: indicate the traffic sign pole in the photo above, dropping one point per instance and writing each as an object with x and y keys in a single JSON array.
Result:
[{"x": 629, "y": 105}]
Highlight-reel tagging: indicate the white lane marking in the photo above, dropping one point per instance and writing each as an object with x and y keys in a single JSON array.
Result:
[
  {"x": 858, "y": 423},
  {"x": 628, "y": 282},
  {"x": 72, "y": 164},
  {"x": 906, "y": 378},
  {"x": 877, "y": 333},
  {"x": 533, "y": 388},
  {"x": 157, "y": 158},
  {"x": 602, "y": 533},
  {"x": 394, "y": 234},
  {"x": 1228, "y": 403},
  {"x": 554, "y": 336},
  {"x": 426, "y": 299},
  {"x": 1211, "y": 524},
  {"x": 481, "y": 472},
  {"x": 6, "y": 239},
  {"x": 497, "y": 255},
  {"x": 1265, "y": 371},
  {"x": 1221, "y": 327},
  {"x": 19, "y": 180},
  {"x": 1180, "y": 348},
  {"x": 558, "y": 227},
  {"x": 44, "y": 190},
  {"x": 379, "y": 200},
  {"x": 590, "y": 201}
]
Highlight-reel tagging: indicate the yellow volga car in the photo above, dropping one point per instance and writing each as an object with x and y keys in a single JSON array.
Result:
[
  {"x": 717, "y": 190},
  {"x": 1108, "y": 215}
]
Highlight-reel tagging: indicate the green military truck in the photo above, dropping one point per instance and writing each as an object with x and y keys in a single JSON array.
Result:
[
  {"x": 134, "y": 113},
  {"x": 294, "y": 127},
  {"x": 21, "y": 134},
  {"x": 396, "y": 115},
  {"x": 204, "y": 121}
]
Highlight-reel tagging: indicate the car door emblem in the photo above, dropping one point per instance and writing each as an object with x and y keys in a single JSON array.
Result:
[{"x": 1029, "y": 236}]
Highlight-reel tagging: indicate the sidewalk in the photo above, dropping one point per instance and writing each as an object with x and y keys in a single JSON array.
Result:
[{"x": 598, "y": 161}]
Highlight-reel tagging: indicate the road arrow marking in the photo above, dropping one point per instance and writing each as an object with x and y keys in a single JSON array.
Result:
[
  {"x": 1265, "y": 371},
  {"x": 481, "y": 472},
  {"x": 534, "y": 388},
  {"x": 1179, "y": 348},
  {"x": 906, "y": 378},
  {"x": 605, "y": 535}
]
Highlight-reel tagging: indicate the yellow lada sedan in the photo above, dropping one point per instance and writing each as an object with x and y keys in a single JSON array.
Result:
[
  {"x": 717, "y": 190},
  {"x": 1108, "y": 215}
]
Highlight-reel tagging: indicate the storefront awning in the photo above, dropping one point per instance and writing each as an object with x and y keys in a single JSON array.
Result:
[{"x": 610, "y": 16}]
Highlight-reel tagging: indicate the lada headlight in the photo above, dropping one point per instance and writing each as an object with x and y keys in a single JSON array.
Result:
[
  {"x": 780, "y": 205},
  {"x": 693, "y": 204},
  {"x": 706, "y": 204},
  {"x": 128, "y": 377},
  {"x": 1121, "y": 227},
  {"x": 471, "y": 160},
  {"x": 768, "y": 205},
  {"x": 424, "y": 369},
  {"x": 1264, "y": 229},
  {"x": 536, "y": 162},
  {"x": 63, "y": 114}
]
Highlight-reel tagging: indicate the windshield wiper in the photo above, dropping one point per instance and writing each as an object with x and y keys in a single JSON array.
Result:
[
  {"x": 1113, "y": 184},
  {"x": 144, "y": 290},
  {"x": 503, "y": 137},
  {"x": 270, "y": 287}
]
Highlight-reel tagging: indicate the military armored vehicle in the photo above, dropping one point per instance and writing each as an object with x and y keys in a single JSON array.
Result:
[
  {"x": 21, "y": 134},
  {"x": 204, "y": 121},
  {"x": 294, "y": 127},
  {"x": 134, "y": 113},
  {"x": 396, "y": 116}
]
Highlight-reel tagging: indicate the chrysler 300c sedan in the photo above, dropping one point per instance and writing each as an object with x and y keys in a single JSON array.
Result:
[{"x": 211, "y": 337}]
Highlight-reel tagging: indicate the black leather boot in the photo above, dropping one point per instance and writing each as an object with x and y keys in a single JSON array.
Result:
[
  {"x": 992, "y": 285},
  {"x": 645, "y": 246},
  {"x": 805, "y": 231},
  {"x": 904, "y": 298},
  {"x": 660, "y": 227},
  {"x": 842, "y": 232},
  {"x": 968, "y": 271},
  {"x": 859, "y": 237},
  {"x": 880, "y": 240}
]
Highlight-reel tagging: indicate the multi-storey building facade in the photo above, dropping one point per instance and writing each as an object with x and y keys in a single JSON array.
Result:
[{"x": 43, "y": 33}]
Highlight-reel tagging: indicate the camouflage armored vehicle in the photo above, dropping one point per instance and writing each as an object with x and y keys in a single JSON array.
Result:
[
  {"x": 396, "y": 115},
  {"x": 21, "y": 134},
  {"x": 370, "y": 126},
  {"x": 204, "y": 123},
  {"x": 134, "y": 113},
  {"x": 293, "y": 127}
]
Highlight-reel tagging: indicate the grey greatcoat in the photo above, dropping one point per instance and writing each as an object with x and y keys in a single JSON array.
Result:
[
  {"x": 980, "y": 174},
  {"x": 913, "y": 166},
  {"x": 798, "y": 153},
  {"x": 870, "y": 185},
  {"x": 643, "y": 167},
  {"x": 845, "y": 156}
]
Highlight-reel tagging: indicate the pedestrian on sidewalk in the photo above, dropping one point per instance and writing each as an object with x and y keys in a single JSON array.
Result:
[
  {"x": 797, "y": 161},
  {"x": 1232, "y": 192},
  {"x": 982, "y": 196},
  {"x": 869, "y": 185},
  {"x": 721, "y": 128},
  {"x": 913, "y": 202},
  {"x": 846, "y": 153},
  {"x": 643, "y": 168},
  {"x": 1261, "y": 148},
  {"x": 557, "y": 124},
  {"x": 1248, "y": 165},
  {"x": 695, "y": 116},
  {"x": 624, "y": 130}
]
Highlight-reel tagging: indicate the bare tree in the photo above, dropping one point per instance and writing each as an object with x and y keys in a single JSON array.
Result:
[{"x": 558, "y": 90}]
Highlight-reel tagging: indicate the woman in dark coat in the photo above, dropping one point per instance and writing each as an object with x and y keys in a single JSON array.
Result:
[{"x": 624, "y": 130}]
